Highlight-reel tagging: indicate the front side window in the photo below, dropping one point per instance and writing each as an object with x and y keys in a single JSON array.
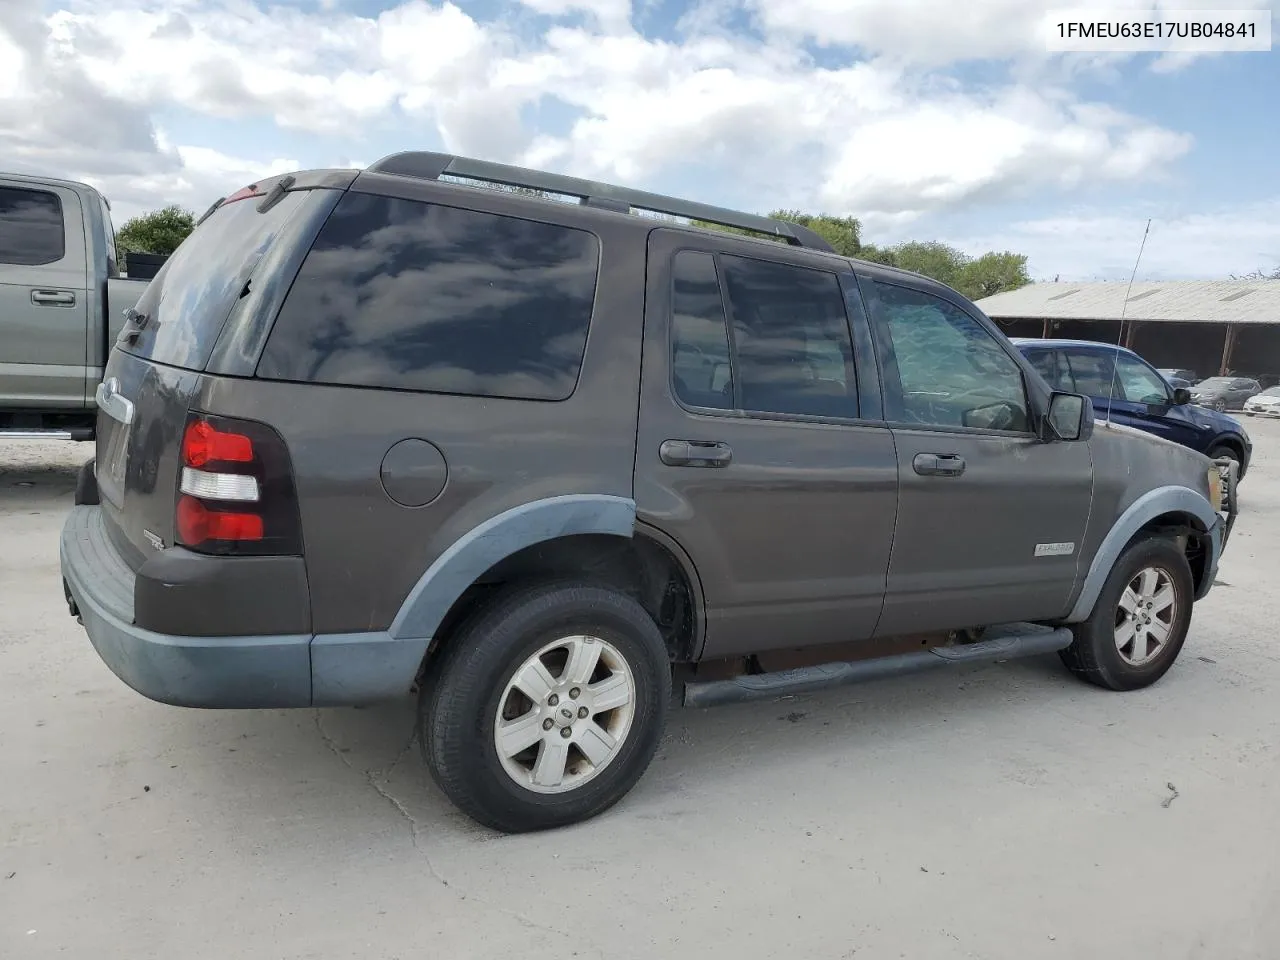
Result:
[
  {"x": 31, "y": 230},
  {"x": 791, "y": 337},
  {"x": 406, "y": 295},
  {"x": 1139, "y": 382},
  {"x": 953, "y": 373}
]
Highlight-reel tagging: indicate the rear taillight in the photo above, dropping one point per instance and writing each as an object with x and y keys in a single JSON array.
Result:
[{"x": 235, "y": 492}]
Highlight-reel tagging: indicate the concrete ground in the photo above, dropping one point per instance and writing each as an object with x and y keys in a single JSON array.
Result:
[{"x": 1004, "y": 811}]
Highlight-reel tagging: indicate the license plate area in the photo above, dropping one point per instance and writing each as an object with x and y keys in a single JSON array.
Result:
[{"x": 114, "y": 458}]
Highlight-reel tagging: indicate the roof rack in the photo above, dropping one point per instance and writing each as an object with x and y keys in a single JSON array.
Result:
[{"x": 425, "y": 165}]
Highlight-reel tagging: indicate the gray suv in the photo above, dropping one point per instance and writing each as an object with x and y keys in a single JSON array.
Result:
[{"x": 544, "y": 463}]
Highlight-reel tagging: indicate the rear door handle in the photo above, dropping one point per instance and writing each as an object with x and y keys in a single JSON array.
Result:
[
  {"x": 53, "y": 298},
  {"x": 695, "y": 453},
  {"x": 938, "y": 464}
]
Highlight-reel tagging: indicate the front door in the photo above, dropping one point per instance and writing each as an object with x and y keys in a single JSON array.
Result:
[
  {"x": 42, "y": 297},
  {"x": 990, "y": 519},
  {"x": 1127, "y": 391},
  {"x": 750, "y": 451}
]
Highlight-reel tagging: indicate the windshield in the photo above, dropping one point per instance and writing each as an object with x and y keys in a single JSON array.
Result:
[
  {"x": 190, "y": 298},
  {"x": 1214, "y": 383},
  {"x": 1270, "y": 392}
]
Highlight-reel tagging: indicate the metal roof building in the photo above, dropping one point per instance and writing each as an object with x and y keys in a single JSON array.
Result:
[{"x": 1211, "y": 326}]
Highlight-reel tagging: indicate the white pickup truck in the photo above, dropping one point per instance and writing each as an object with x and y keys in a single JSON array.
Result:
[{"x": 62, "y": 303}]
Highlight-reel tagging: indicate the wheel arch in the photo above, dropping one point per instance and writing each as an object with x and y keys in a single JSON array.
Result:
[{"x": 1173, "y": 510}]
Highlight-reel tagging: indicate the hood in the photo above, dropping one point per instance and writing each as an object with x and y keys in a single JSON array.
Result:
[
  {"x": 1207, "y": 419},
  {"x": 1266, "y": 400}
]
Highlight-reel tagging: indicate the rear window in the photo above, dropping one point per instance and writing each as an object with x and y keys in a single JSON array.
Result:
[
  {"x": 405, "y": 295},
  {"x": 188, "y": 301},
  {"x": 31, "y": 231}
]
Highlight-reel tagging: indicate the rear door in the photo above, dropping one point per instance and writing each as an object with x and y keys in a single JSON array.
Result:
[
  {"x": 990, "y": 519},
  {"x": 759, "y": 447},
  {"x": 43, "y": 295}
]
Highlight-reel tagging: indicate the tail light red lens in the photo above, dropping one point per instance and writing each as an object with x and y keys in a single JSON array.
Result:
[
  {"x": 236, "y": 494},
  {"x": 197, "y": 523},
  {"x": 203, "y": 443}
]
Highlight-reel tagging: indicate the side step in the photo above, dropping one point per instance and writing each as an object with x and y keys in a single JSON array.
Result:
[
  {"x": 1006, "y": 642},
  {"x": 77, "y": 433}
]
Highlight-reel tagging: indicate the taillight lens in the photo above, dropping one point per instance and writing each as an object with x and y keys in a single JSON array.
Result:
[
  {"x": 236, "y": 493},
  {"x": 203, "y": 442}
]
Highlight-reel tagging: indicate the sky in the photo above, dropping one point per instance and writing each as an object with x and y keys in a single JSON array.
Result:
[{"x": 926, "y": 119}]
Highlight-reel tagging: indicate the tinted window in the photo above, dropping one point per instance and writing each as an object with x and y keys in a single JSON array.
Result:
[
  {"x": 415, "y": 296},
  {"x": 31, "y": 230},
  {"x": 699, "y": 335},
  {"x": 188, "y": 300},
  {"x": 1050, "y": 365},
  {"x": 791, "y": 335},
  {"x": 952, "y": 371},
  {"x": 1092, "y": 372},
  {"x": 1139, "y": 382}
]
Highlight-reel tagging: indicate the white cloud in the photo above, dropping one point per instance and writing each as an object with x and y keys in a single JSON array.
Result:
[
  {"x": 941, "y": 32},
  {"x": 1089, "y": 245},
  {"x": 880, "y": 137}
]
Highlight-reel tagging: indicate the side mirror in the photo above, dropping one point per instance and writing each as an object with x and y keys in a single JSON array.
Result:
[
  {"x": 1070, "y": 417},
  {"x": 1181, "y": 396}
]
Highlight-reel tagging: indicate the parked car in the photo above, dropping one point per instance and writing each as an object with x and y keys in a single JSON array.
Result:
[
  {"x": 1179, "y": 376},
  {"x": 1136, "y": 395},
  {"x": 62, "y": 301},
  {"x": 1264, "y": 404},
  {"x": 1224, "y": 393},
  {"x": 403, "y": 438}
]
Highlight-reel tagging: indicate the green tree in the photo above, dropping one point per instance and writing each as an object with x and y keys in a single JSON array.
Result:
[
  {"x": 993, "y": 273},
  {"x": 157, "y": 232},
  {"x": 843, "y": 233},
  {"x": 933, "y": 259}
]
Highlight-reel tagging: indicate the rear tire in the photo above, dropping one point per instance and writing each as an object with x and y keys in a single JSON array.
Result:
[
  {"x": 574, "y": 682},
  {"x": 1140, "y": 621}
]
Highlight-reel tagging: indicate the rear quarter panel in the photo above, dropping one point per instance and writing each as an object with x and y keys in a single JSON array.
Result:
[{"x": 364, "y": 552}]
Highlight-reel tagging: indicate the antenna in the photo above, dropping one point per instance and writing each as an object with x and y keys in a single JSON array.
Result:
[{"x": 1111, "y": 394}]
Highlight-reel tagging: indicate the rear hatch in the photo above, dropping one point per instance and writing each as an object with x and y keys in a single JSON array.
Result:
[{"x": 161, "y": 355}]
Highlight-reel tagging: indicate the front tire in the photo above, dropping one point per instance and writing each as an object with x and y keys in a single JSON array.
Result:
[
  {"x": 546, "y": 707},
  {"x": 1140, "y": 621}
]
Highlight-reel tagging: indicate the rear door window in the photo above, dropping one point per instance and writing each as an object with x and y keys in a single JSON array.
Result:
[
  {"x": 792, "y": 341},
  {"x": 405, "y": 295},
  {"x": 189, "y": 299},
  {"x": 31, "y": 230},
  {"x": 1093, "y": 372}
]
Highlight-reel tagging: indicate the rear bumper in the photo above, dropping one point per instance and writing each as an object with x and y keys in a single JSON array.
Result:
[{"x": 238, "y": 671}]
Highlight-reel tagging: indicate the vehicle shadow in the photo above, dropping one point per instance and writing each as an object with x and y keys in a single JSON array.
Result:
[{"x": 701, "y": 750}]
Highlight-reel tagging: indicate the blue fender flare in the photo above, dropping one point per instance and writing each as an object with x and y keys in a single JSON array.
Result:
[{"x": 1153, "y": 504}]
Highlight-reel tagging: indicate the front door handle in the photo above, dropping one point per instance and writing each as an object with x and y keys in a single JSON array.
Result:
[
  {"x": 695, "y": 453},
  {"x": 938, "y": 464},
  {"x": 53, "y": 298}
]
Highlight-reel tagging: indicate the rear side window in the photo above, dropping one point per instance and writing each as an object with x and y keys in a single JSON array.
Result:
[
  {"x": 188, "y": 301},
  {"x": 700, "y": 364},
  {"x": 31, "y": 231},
  {"x": 791, "y": 336},
  {"x": 1050, "y": 365},
  {"x": 1092, "y": 373},
  {"x": 405, "y": 295}
]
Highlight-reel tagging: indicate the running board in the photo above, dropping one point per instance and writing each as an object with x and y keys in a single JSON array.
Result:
[
  {"x": 77, "y": 433},
  {"x": 1007, "y": 642}
]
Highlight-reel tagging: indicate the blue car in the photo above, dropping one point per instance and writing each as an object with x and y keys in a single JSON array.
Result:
[{"x": 1137, "y": 394}]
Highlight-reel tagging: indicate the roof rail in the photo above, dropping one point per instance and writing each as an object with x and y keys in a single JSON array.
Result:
[{"x": 425, "y": 165}]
